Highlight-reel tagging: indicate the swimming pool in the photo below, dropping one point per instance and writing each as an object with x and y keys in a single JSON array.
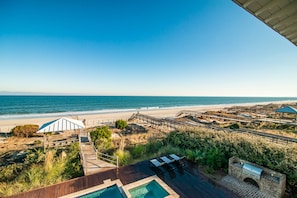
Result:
[
  {"x": 149, "y": 190},
  {"x": 111, "y": 191},
  {"x": 149, "y": 187}
]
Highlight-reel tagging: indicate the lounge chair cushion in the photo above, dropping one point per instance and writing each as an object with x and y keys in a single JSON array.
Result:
[
  {"x": 167, "y": 160},
  {"x": 175, "y": 157},
  {"x": 156, "y": 163}
]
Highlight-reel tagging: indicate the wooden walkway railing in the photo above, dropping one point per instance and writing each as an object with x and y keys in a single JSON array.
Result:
[
  {"x": 89, "y": 156},
  {"x": 247, "y": 120},
  {"x": 60, "y": 143},
  {"x": 158, "y": 122},
  {"x": 190, "y": 125},
  {"x": 196, "y": 113}
]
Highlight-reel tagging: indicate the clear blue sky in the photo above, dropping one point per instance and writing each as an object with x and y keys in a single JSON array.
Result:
[{"x": 149, "y": 47}]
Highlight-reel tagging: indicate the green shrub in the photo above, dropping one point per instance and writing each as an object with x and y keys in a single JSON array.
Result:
[
  {"x": 121, "y": 124},
  {"x": 153, "y": 146},
  {"x": 34, "y": 176},
  {"x": 10, "y": 172},
  {"x": 234, "y": 126},
  {"x": 195, "y": 155},
  {"x": 123, "y": 156},
  {"x": 138, "y": 151},
  {"x": 25, "y": 130},
  {"x": 101, "y": 133},
  {"x": 101, "y": 137},
  {"x": 213, "y": 149},
  {"x": 215, "y": 159},
  {"x": 73, "y": 166},
  {"x": 34, "y": 156}
]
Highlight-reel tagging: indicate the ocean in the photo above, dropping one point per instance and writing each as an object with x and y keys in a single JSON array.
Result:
[{"x": 14, "y": 107}]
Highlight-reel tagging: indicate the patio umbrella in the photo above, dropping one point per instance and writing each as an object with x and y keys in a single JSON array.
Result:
[{"x": 61, "y": 124}]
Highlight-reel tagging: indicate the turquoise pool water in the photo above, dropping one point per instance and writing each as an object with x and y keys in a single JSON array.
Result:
[
  {"x": 149, "y": 190},
  {"x": 111, "y": 191}
]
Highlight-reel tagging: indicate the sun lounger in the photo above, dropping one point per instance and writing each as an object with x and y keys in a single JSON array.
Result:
[
  {"x": 175, "y": 157},
  {"x": 156, "y": 163},
  {"x": 177, "y": 160},
  {"x": 167, "y": 160}
]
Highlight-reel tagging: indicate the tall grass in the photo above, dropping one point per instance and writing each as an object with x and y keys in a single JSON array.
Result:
[{"x": 40, "y": 169}]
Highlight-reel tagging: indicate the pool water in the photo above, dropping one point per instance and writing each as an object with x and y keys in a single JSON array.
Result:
[
  {"x": 111, "y": 191},
  {"x": 149, "y": 190}
]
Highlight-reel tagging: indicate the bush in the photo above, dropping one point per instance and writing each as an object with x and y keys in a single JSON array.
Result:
[
  {"x": 34, "y": 156},
  {"x": 213, "y": 149},
  {"x": 216, "y": 159},
  {"x": 153, "y": 146},
  {"x": 10, "y": 172},
  {"x": 25, "y": 131},
  {"x": 123, "y": 156},
  {"x": 73, "y": 165},
  {"x": 101, "y": 137},
  {"x": 101, "y": 133},
  {"x": 233, "y": 126},
  {"x": 138, "y": 151},
  {"x": 120, "y": 124}
]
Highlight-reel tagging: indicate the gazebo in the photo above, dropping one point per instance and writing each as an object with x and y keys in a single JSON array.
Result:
[
  {"x": 59, "y": 125},
  {"x": 288, "y": 109}
]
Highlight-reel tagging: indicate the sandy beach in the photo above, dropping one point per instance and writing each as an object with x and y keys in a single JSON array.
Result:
[{"x": 98, "y": 119}]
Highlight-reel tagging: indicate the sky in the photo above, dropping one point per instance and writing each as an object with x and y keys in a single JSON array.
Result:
[{"x": 143, "y": 48}]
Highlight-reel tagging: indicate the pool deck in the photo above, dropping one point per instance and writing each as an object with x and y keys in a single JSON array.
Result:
[{"x": 186, "y": 182}]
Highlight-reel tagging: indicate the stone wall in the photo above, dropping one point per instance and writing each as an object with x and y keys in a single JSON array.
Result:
[{"x": 270, "y": 181}]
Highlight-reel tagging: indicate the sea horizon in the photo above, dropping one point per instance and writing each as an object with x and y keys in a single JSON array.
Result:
[{"x": 32, "y": 106}]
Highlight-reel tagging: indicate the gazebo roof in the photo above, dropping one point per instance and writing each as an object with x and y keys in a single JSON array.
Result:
[
  {"x": 61, "y": 124},
  {"x": 287, "y": 109}
]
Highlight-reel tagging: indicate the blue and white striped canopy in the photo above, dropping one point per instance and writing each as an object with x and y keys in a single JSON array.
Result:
[
  {"x": 287, "y": 109},
  {"x": 61, "y": 124}
]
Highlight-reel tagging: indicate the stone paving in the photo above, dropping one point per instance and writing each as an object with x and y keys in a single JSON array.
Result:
[{"x": 242, "y": 189}]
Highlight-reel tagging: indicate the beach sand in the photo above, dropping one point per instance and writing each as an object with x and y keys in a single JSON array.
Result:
[
  {"x": 97, "y": 119},
  {"x": 102, "y": 118}
]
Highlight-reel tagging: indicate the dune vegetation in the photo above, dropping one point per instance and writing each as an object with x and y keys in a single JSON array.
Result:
[
  {"x": 39, "y": 169},
  {"x": 209, "y": 149}
]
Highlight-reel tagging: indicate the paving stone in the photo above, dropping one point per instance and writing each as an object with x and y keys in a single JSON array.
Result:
[{"x": 243, "y": 189}]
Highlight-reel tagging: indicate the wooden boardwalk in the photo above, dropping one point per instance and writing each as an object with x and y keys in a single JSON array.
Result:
[
  {"x": 89, "y": 156},
  {"x": 157, "y": 122},
  {"x": 196, "y": 113},
  {"x": 176, "y": 125}
]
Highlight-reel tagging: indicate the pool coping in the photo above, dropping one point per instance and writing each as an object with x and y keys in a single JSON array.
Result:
[
  {"x": 124, "y": 189},
  {"x": 171, "y": 192},
  {"x": 106, "y": 183}
]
